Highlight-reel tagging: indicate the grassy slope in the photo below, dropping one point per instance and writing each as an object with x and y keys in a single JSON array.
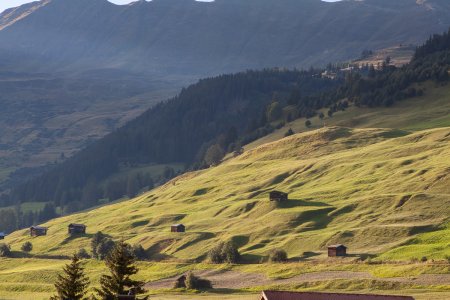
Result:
[
  {"x": 32, "y": 279},
  {"x": 362, "y": 187},
  {"x": 380, "y": 191},
  {"x": 429, "y": 111}
]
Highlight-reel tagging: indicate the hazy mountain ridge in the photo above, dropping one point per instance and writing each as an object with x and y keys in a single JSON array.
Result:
[
  {"x": 203, "y": 38},
  {"x": 46, "y": 118}
]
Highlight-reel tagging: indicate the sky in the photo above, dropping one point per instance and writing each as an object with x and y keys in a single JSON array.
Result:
[{"x": 4, "y": 4}]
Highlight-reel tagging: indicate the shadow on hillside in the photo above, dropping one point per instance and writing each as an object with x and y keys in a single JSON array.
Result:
[
  {"x": 222, "y": 291},
  {"x": 362, "y": 256},
  {"x": 305, "y": 256},
  {"x": 46, "y": 256},
  {"x": 21, "y": 254},
  {"x": 248, "y": 259},
  {"x": 73, "y": 237},
  {"x": 312, "y": 219},
  {"x": 158, "y": 257},
  {"x": 240, "y": 240},
  {"x": 202, "y": 237},
  {"x": 291, "y": 203}
]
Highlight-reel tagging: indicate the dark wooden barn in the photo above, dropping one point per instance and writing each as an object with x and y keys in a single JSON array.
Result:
[
  {"x": 178, "y": 228},
  {"x": 337, "y": 250},
  {"x": 278, "y": 196},
  {"x": 38, "y": 231},
  {"x": 2, "y": 235},
  {"x": 77, "y": 229},
  {"x": 280, "y": 295}
]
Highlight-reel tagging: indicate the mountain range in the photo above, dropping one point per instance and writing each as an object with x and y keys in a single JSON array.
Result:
[{"x": 170, "y": 37}]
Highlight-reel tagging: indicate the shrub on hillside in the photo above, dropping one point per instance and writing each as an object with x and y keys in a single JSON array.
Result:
[
  {"x": 101, "y": 245},
  {"x": 104, "y": 248},
  {"x": 215, "y": 254},
  {"x": 5, "y": 250},
  {"x": 214, "y": 155},
  {"x": 278, "y": 256},
  {"x": 83, "y": 254},
  {"x": 139, "y": 252},
  {"x": 27, "y": 247},
  {"x": 193, "y": 282},
  {"x": 224, "y": 253},
  {"x": 230, "y": 253},
  {"x": 289, "y": 132},
  {"x": 97, "y": 238}
]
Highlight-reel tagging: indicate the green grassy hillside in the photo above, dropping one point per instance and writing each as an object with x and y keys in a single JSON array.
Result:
[
  {"x": 384, "y": 192},
  {"x": 432, "y": 110},
  {"x": 380, "y": 191}
]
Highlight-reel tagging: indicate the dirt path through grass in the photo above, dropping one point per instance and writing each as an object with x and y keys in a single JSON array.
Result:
[{"x": 237, "y": 280}]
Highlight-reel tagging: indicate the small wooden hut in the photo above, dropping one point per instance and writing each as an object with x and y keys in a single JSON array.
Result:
[
  {"x": 337, "y": 250},
  {"x": 278, "y": 196},
  {"x": 77, "y": 229},
  {"x": 38, "y": 231},
  {"x": 178, "y": 228}
]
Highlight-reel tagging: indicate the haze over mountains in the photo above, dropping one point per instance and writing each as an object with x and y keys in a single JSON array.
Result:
[
  {"x": 198, "y": 38},
  {"x": 73, "y": 70}
]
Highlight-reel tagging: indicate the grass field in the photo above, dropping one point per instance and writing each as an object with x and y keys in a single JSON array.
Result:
[
  {"x": 432, "y": 110},
  {"x": 362, "y": 187},
  {"x": 32, "y": 278},
  {"x": 375, "y": 180},
  {"x": 399, "y": 55}
]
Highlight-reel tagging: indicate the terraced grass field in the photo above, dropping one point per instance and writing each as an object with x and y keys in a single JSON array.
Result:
[{"x": 384, "y": 192}]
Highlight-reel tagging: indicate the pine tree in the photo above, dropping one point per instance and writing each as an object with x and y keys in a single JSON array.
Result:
[
  {"x": 214, "y": 155},
  {"x": 97, "y": 239},
  {"x": 73, "y": 283},
  {"x": 121, "y": 264},
  {"x": 289, "y": 132}
]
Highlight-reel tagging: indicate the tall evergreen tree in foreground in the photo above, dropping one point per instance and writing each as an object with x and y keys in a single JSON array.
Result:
[
  {"x": 73, "y": 283},
  {"x": 121, "y": 264}
]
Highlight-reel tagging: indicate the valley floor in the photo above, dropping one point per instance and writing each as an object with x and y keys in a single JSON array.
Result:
[{"x": 32, "y": 278}]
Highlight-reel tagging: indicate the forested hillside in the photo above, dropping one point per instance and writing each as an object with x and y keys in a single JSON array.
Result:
[
  {"x": 216, "y": 114},
  {"x": 46, "y": 118},
  {"x": 220, "y": 115}
]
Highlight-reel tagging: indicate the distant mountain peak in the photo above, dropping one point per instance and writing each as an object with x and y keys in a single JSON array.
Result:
[{"x": 15, "y": 14}]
